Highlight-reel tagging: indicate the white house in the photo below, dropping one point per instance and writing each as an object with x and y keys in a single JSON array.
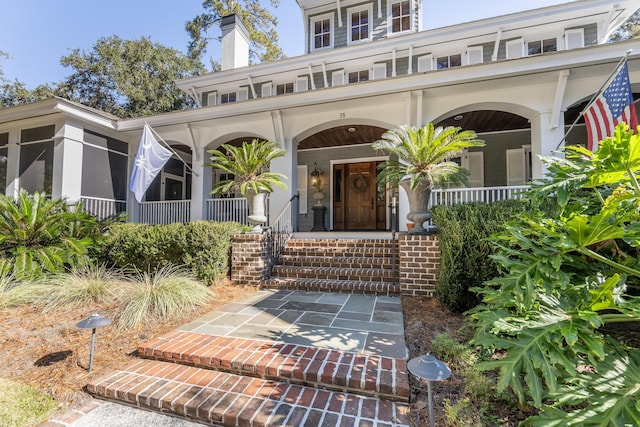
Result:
[{"x": 518, "y": 80}]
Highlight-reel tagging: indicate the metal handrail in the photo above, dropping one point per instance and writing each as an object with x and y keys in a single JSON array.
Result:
[{"x": 281, "y": 229}]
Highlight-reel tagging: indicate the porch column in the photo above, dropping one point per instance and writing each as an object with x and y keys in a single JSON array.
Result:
[
  {"x": 287, "y": 166},
  {"x": 13, "y": 165},
  {"x": 67, "y": 163},
  {"x": 544, "y": 140},
  {"x": 198, "y": 196},
  {"x": 133, "y": 207}
]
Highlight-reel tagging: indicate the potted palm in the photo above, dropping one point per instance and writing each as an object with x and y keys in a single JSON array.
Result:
[
  {"x": 249, "y": 166},
  {"x": 421, "y": 160}
]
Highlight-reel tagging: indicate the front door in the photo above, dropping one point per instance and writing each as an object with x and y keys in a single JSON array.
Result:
[{"x": 358, "y": 205}]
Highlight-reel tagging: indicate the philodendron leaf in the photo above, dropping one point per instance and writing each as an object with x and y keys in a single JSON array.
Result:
[
  {"x": 587, "y": 230},
  {"x": 603, "y": 297},
  {"x": 570, "y": 333}
]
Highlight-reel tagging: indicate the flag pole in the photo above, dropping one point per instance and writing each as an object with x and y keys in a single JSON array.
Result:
[
  {"x": 171, "y": 148},
  {"x": 595, "y": 96}
]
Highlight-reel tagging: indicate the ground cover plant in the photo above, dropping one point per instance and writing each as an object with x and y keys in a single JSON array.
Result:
[{"x": 567, "y": 278}]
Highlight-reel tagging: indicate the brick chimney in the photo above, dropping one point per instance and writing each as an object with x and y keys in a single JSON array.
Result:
[{"x": 235, "y": 43}]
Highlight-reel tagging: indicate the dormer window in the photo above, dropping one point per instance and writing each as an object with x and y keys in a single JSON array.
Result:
[
  {"x": 399, "y": 16},
  {"x": 448, "y": 61},
  {"x": 322, "y": 32},
  {"x": 542, "y": 46},
  {"x": 226, "y": 98},
  {"x": 360, "y": 23}
]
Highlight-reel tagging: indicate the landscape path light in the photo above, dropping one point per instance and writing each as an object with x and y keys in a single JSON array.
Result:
[
  {"x": 429, "y": 368},
  {"x": 93, "y": 322}
]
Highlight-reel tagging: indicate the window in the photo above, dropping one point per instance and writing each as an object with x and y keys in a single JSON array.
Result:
[
  {"x": 400, "y": 16},
  {"x": 359, "y": 76},
  {"x": 104, "y": 167},
  {"x": 360, "y": 24},
  {"x": 322, "y": 32},
  {"x": 448, "y": 61},
  {"x": 36, "y": 159},
  {"x": 281, "y": 89},
  {"x": 542, "y": 46},
  {"x": 226, "y": 98}
]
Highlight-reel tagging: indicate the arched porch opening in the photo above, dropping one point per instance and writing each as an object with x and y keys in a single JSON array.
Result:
[
  {"x": 337, "y": 178},
  {"x": 506, "y": 159}
]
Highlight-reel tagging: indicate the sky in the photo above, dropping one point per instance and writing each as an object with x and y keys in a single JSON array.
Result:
[{"x": 37, "y": 33}]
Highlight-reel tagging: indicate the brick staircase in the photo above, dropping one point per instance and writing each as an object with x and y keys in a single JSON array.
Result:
[
  {"x": 336, "y": 265},
  {"x": 232, "y": 381}
]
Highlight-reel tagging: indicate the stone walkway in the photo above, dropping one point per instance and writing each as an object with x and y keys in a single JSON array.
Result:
[{"x": 280, "y": 358}]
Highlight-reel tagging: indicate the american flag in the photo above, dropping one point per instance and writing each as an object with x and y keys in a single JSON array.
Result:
[{"x": 613, "y": 106}]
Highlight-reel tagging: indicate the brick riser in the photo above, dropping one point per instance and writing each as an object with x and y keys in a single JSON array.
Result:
[
  {"x": 326, "y": 285},
  {"x": 297, "y": 364},
  {"x": 225, "y": 399},
  {"x": 335, "y": 262},
  {"x": 329, "y": 273}
]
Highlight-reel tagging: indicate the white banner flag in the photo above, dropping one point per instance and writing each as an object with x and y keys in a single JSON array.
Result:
[{"x": 150, "y": 160}]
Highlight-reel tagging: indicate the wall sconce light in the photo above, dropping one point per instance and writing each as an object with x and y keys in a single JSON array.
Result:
[{"x": 316, "y": 178}]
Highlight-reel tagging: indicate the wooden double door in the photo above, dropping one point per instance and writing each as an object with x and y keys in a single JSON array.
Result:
[{"x": 358, "y": 202}]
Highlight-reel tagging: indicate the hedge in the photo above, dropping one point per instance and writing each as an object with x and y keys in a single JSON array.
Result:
[
  {"x": 203, "y": 247},
  {"x": 465, "y": 253}
]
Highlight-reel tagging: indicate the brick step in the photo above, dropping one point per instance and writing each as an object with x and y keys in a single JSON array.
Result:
[
  {"x": 328, "y": 285},
  {"x": 336, "y": 262},
  {"x": 329, "y": 273},
  {"x": 339, "y": 247},
  {"x": 367, "y": 375},
  {"x": 226, "y": 399}
]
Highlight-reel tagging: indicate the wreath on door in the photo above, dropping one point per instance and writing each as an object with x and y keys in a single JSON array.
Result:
[{"x": 358, "y": 182}]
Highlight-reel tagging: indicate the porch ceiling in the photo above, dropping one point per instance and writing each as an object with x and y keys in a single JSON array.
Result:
[
  {"x": 342, "y": 136},
  {"x": 486, "y": 121}
]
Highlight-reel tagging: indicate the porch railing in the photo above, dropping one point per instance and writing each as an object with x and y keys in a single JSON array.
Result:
[
  {"x": 166, "y": 212},
  {"x": 281, "y": 229},
  {"x": 103, "y": 208},
  {"x": 454, "y": 196},
  {"x": 234, "y": 209}
]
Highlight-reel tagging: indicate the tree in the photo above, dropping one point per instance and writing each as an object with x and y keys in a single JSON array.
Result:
[
  {"x": 258, "y": 20},
  {"x": 128, "y": 78},
  {"x": 15, "y": 93},
  {"x": 629, "y": 30}
]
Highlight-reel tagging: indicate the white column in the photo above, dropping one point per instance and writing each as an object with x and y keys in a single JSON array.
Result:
[
  {"x": 67, "y": 163},
  {"x": 13, "y": 165},
  {"x": 287, "y": 166},
  {"x": 199, "y": 193},
  {"x": 133, "y": 207},
  {"x": 544, "y": 140}
]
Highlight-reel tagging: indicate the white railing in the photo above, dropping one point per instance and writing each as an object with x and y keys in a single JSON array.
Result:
[
  {"x": 166, "y": 212},
  {"x": 223, "y": 210},
  {"x": 454, "y": 196},
  {"x": 103, "y": 208}
]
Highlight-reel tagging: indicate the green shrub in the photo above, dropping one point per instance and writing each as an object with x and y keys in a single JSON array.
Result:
[
  {"x": 203, "y": 247},
  {"x": 163, "y": 295},
  {"x": 39, "y": 236},
  {"x": 566, "y": 277},
  {"x": 465, "y": 253}
]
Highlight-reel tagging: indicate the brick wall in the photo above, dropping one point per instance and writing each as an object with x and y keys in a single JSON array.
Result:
[
  {"x": 249, "y": 258},
  {"x": 419, "y": 260}
]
